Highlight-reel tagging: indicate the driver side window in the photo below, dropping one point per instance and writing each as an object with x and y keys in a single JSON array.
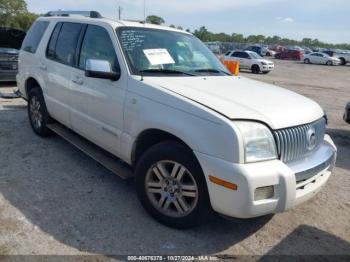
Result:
[
  {"x": 98, "y": 45},
  {"x": 245, "y": 55}
]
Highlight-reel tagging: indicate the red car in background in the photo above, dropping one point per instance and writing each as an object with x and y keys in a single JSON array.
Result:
[{"x": 290, "y": 55}]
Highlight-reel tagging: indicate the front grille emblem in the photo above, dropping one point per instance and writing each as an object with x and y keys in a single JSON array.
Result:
[{"x": 311, "y": 138}]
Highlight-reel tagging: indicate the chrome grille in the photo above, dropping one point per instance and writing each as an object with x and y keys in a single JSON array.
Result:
[{"x": 293, "y": 143}]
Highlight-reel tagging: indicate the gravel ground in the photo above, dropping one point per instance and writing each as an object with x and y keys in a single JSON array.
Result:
[{"x": 54, "y": 200}]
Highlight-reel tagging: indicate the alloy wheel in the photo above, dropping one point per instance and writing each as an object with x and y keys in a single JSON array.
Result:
[
  {"x": 35, "y": 113},
  {"x": 171, "y": 188}
]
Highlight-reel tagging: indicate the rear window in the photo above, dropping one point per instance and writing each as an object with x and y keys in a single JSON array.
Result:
[{"x": 34, "y": 36}]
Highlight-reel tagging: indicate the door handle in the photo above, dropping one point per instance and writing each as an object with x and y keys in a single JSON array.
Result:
[
  {"x": 78, "y": 80},
  {"x": 42, "y": 66}
]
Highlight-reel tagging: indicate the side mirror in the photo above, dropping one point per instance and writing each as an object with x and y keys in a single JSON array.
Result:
[{"x": 101, "y": 69}]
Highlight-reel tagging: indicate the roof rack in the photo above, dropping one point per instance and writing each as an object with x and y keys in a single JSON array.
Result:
[
  {"x": 91, "y": 14},
  {"x": 135, "y": 21}
]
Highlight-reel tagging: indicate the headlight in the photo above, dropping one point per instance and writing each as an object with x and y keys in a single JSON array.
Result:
[
  {"x": 259, "y": 144},
  {"x": 263, "y": 63}
]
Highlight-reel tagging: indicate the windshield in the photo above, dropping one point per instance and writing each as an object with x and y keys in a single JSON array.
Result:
[
  {"x": 8, "y": 50},
  {"x": 255, "y": 55},
  {"x": 161, "y": 52}
]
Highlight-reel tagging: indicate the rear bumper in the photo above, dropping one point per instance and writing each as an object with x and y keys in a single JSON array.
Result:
[{"x": 292, "y": 184}]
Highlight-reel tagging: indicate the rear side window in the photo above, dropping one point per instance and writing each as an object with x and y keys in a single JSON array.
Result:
[
  {"x": 34, "y": 36},
  {"x": 50, "y": 52},
  {"x": 245, "y": 55},
  {"x": 64, "y": 50}
]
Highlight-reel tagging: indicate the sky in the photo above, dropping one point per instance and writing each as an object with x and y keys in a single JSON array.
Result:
[{"x": 326, "y": 20}]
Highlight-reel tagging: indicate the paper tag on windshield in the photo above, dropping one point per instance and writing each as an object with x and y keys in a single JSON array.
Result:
[{"x": 158, "y": 56}]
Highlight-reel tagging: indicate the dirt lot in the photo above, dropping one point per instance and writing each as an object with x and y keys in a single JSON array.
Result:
[{"x": 56, "y": 200}]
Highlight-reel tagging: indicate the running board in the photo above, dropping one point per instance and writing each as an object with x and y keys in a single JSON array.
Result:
[{"x": 109, "y": 161}]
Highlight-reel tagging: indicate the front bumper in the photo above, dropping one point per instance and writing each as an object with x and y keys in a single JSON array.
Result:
[
  {"x": 293, "y": 183},
  {"x": 8, "y": 75},
  {"x": 266, "y": 68}
]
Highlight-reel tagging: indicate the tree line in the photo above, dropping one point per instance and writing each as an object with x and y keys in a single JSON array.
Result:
[
  {"x": 14, "y": 14},
  {"x": 206, "y": 36}
]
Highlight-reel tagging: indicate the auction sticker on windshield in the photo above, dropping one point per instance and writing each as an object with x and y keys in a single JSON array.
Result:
[{"x": 158, "y": 56}]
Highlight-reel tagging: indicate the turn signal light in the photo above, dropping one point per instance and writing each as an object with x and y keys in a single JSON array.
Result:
[{"x": 223, "y": 183}]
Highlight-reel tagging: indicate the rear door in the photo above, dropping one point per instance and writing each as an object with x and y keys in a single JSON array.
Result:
[
  {"x": 97, "y": 104},
  {"x": 61, "y": 58},
  {"x": 313, "y": 58}
]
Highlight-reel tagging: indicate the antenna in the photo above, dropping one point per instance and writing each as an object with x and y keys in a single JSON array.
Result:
[
  {"x": 144, "y": 11},
  {"x": 120, "y": 9}
]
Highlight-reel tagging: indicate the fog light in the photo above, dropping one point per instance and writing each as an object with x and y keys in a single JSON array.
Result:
[{"x": 263, "y": 193}]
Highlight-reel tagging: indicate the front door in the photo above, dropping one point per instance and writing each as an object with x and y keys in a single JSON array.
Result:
[{"x": 97, "y": 104}]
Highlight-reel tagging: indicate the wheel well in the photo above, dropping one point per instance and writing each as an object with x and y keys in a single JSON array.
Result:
[
  {"x": 342, "y": 59},
  {"x": 30, "y": 84},
  {"x": 255, "y": 66},
  {"x": 150, "y": 138}
]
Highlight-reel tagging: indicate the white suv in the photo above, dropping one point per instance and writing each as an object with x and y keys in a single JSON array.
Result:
[
  {"x": 251, "y": 61},
  {"x": 196, "y": 137}
]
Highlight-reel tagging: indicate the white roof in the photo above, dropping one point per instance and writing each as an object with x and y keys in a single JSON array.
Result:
[{"x": 111, "y": 22}]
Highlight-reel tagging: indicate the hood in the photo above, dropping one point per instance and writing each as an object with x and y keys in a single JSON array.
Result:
[
  {"x": 243, "y": 98},
  {"x": 11, "y": 38},
  {"x": 264, "y": 60}
]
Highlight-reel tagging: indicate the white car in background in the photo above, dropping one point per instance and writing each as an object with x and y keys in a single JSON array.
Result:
[
  {"x": 251, "y": 61},
  {"x": 321, "y": 58}
]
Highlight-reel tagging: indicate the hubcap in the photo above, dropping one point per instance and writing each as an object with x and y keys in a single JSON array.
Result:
[
  {"x": 35, "y": 113},
  {"x": 171, "y": 188}
]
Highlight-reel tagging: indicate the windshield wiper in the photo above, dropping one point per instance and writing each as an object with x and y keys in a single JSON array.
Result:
[
  {"x": 166, "y": 71},
  {"x": 212, "y": 70}
]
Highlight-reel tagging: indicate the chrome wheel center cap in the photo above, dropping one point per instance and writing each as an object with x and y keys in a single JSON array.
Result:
[{"x": 171, "y": 187}]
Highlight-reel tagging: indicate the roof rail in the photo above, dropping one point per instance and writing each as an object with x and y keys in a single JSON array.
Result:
[{"x": 91, "y": 14}]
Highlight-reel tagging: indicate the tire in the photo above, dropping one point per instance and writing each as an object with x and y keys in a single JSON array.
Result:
[
  {"x": 155, "y": 168},
  {"x": 346, "y": 117},
  {"x": 266, "y": 72},
  {"x": 306, "y": 61},
  {"x": 255, "y": 69},
  {"x": 37, "y": 112},
  {"x": 329, "y": 63},
  {"x": 342, "y": 61}
]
